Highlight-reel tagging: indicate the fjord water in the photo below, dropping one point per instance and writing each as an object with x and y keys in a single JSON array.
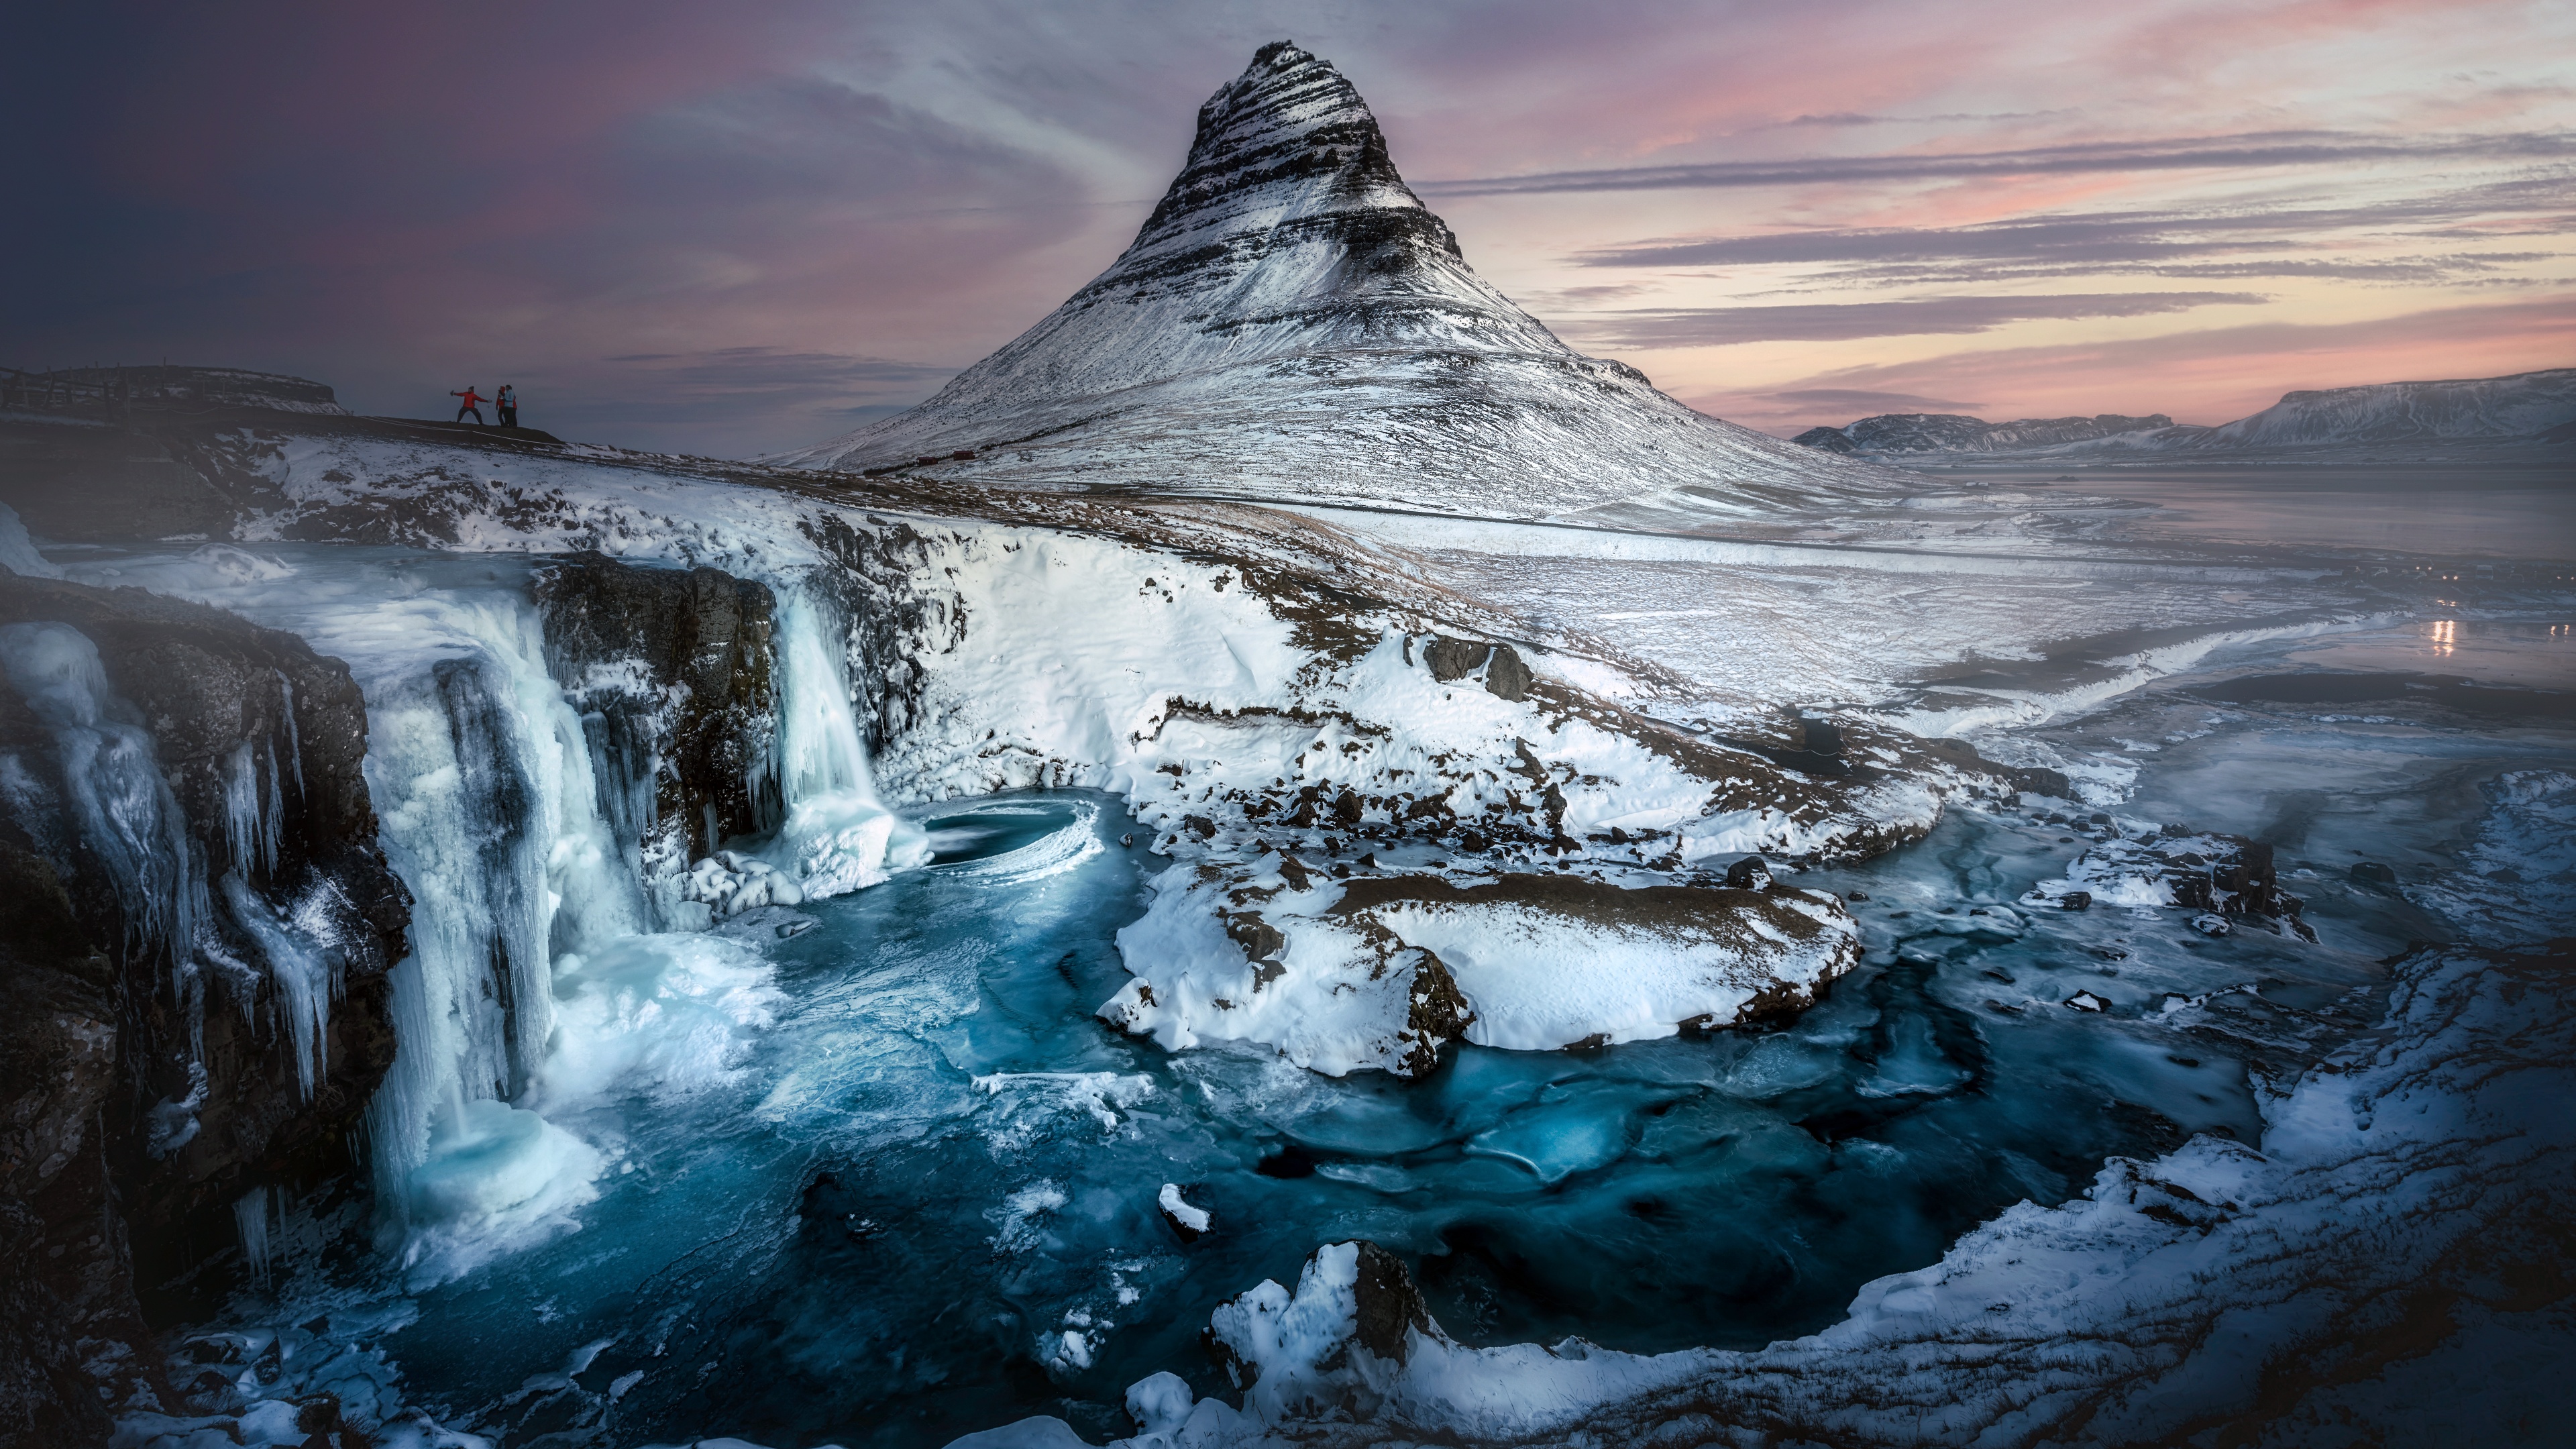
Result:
[{"x": 883, "y": 1178}]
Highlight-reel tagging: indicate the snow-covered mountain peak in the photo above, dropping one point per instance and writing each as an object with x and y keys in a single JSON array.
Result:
[
  {"x": 1288, "y": 148},
  {"x": 1291, "y": 321}
]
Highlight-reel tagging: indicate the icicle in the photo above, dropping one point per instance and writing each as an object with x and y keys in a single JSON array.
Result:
[
  {"x": 251, "y": 819},
  {"x": 490, "y": 813},
  {"x": 119, "y": 804},
  {"x": 301, "y": 973},
  {"x": 250, "y": 1219},
  {"x": 294, "y": 740}
]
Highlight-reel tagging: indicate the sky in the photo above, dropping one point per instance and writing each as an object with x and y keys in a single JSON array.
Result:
[{"x": 728, "y": 230}]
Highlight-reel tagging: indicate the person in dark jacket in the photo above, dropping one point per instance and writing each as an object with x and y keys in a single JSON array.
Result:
[
  {"x": 507, "y": 405},
  {"x": 473, "y": 403}
]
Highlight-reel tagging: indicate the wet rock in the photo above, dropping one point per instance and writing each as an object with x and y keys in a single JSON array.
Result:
[
  {"x": 60, "y": 1279},
  {"x": 2087, "y": 1001},
  {"x": 2075, "y": 901},
  {"x": 2210, "y": 924},
  {"x": 2371, "y": 872},
  {"x": 1439, "y": 1016},
  {"x": 1752, "y": 873}
]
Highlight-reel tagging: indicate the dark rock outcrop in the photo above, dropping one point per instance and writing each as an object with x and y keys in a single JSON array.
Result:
[
  {"x": 125, "y": 1021},
  {"x": 96, "y": 484},
  {"x": 62, "y": 1245},
  {"x": 1507, "y": 675},
  {"x": 674, "y": 671},
  {"x": 1386, "y": 1303}
]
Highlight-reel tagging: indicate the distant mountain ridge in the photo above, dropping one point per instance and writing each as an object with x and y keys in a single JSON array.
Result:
[
  {"x": 1292, "y": 322},
  {"x": 2537, "y": 408},
  {"x": 228, "y": 387},
  {"x": 1959, "y": 433}
]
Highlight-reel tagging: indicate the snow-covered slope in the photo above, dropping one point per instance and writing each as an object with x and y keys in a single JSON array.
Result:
[
  {"x": 1292, "y": 322},
  {"x": 2486, "y": 407}
]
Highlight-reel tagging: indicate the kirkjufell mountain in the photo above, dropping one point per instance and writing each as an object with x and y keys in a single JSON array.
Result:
[{"x": 1292, "y": 322}]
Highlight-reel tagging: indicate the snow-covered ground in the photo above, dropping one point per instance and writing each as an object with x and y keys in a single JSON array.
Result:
[{"x": 1418, "y": 785}]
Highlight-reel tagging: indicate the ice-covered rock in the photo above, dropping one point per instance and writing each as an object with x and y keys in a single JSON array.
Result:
[
  {"x": 1382, "y": 970},
  {"x": 1190, "y": 1222}
]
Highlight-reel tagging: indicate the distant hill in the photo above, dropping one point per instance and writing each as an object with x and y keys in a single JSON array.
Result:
[
  {"x": 2397, "y": 419},
  {"x": 1957, "y": 433},
  {"x": 229, "y": 387}
]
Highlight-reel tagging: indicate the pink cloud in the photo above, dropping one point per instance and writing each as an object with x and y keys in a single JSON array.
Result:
[{"x": 2210, "y": 375}]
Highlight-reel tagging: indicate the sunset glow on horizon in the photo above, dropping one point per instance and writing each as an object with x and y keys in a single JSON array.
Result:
[{"x": 684, "y": 229}]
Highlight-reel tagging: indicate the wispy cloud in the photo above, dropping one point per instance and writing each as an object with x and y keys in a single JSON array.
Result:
[
  {"x": 2133, "y": 237},
  {"x": 2256, "y": 149},
  {"x": 1861, "y": 401},
  {"x": 1652, "y": 329}
]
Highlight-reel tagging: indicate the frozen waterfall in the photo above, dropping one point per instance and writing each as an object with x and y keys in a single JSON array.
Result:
[{"x": 534, "y": 982}]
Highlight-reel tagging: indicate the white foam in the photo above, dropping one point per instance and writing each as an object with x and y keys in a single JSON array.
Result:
[
  {"x": 667, "y": 1014},
  {"x": 493, "y": 1180}
]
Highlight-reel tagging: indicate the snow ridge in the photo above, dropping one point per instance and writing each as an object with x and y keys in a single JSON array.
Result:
[{"x": 1291, "y": 321}]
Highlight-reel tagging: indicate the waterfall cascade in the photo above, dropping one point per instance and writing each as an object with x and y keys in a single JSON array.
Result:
[
  {"x": 518, "y": 819},
  {"x": 536, "y": 977}
]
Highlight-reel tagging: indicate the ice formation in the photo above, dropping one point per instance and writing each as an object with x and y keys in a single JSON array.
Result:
[{"x": 2413, "y": 1166}]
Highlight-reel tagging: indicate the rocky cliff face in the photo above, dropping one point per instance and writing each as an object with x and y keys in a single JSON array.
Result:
[
  {"x": 1291, "y": 321},
  {"x": 673, "y": 670},
  {"x": 199, "y": 961}
]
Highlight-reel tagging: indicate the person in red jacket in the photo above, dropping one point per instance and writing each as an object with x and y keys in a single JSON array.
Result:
[{"x": 473, "y": 403}]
